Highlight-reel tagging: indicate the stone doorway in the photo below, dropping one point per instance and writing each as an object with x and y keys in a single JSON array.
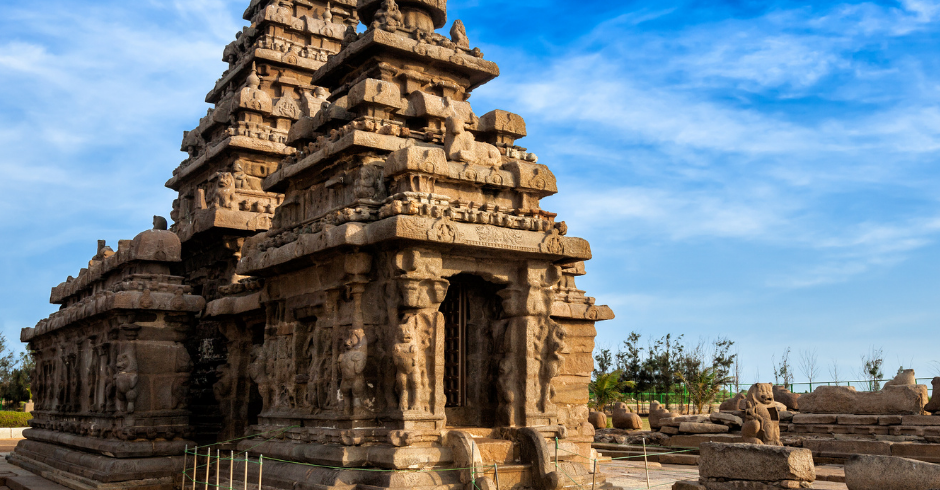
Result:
[{"x": 473, "y": 329}]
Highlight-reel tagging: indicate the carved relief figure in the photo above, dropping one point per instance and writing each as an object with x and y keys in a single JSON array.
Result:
[
  {"x": 352, "y": 363},
  {"x": 257, "y": 373},
  {"x": 388, "y": 17},
  {"x": 369, "y": 185},
  {"x": 551, "y": 365},
  {"x": 762, "y": 423},
  {"x": 125, "y": 380},
  {"x": 460, "y": 145},
  {"x": 243, "y": 180},
  {"x": 411, "y": 378},
  {"x": 224, "y": 193}
]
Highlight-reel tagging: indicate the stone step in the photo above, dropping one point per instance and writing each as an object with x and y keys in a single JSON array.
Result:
[
  {"x": 498, "y": 451},
  {"x": 32, "y": 483}
]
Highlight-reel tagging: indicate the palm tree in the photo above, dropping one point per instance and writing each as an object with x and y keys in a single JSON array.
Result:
[
  {"x": 608, "y": 388},
  {"x": 703, "y": 386}
]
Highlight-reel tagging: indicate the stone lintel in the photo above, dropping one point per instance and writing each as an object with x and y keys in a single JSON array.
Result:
[
  {"x": 572, "y": 311},
  {"x": 256, "y": 145},
  {"x": 226, "y": 219},
  {"x": 278, "y": 180},
  {"x": 233, "y": 305},
  {"x": 440, "y": 232}
]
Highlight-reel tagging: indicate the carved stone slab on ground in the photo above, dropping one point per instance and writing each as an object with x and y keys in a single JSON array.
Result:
[
  {"x": 892, "y": 400},
  {"x": 890, "y": 473}
]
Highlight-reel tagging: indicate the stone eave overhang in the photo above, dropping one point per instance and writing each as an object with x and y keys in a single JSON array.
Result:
[
  {"x": 513, "y": 175},
  {"x": 373, "y": 42},
  {"x": 108, "y": 302},
  {"x": 431, "y": 231},
  {"x": 243, "y": 143}
]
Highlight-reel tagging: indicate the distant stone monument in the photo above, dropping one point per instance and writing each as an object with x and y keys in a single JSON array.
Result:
[{"x": 357, "y": 263}]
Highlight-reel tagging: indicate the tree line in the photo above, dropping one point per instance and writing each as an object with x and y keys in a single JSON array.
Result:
[
  {"x": 16, "y": 373},
  {"x": 665, "y": 365}
]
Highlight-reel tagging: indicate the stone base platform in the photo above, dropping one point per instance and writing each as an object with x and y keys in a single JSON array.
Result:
[{"x": 80, "y": 470}]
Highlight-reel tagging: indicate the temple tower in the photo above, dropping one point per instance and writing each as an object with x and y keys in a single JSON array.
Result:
[
  {"x": 414, "y": 293},
  {"x": 242, "y": 139}
]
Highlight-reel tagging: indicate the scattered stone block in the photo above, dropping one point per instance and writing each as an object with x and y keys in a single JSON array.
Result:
[
  {"x": 668, "y": 429},
  {"x": 929, "y": 453},
  {"x": 858, "y": 419},
  {"x": 759, "y": 463},
  {"x": 888, "y": 473},
  {"x": 688, "y": 485},
  {"x": 889, "y": 420},
  {"x": 694, "y": 428},
  {"x": 920, "y": 420},
  {"x": 689, "y": 441},
  {"x": 804, "y": 418},
  {"x": 680, "y": 459},
  {"x": 830, "y": 448},
  {"x": 892, "y": 400},
  {"x": 726, "y": 418},
  {"x": 734, "y": 404}
]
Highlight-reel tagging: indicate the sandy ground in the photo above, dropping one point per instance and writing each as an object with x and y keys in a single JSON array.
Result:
[{"x": 632, "y": 476}]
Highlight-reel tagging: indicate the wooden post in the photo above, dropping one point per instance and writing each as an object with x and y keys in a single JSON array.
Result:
[
  {"x": 246, "y": 470},
  {"x": 260, "y": 469},
  {"x": 646, "y": 463},
  {"x": 208, "y": 465},
  {"x": 183, "y": 486},
  {"x": 231, "y": 471},
  {"x": 195, "y": 462},
  {"x": 593, "y": 480},
  {"x": 496, "y": 475},
  {"x": 218, "y": 463}
]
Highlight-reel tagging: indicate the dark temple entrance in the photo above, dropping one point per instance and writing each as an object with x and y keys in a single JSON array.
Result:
[{"x": 473, "y": 313}]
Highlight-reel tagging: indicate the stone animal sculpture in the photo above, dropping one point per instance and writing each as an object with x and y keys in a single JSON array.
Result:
[
  {"x": 657, "y": 414},
  {"x": 934, "y": 404},
  {"x": 762, "y": 422},
  {"x": 784, "y": 396},
  {"x": 458, "y": 34},
  {"x": 224, "y": 193},
  {"x": 624, "y": 419},
  {"x": 904, "y": 378},
  {"x": 598, "y": 420},
  {"x": 125, "y": 380},
  {"x": 352, "y": 363},
  {"x": 460, "y": 145},
  {"x": 734, "y": 404},
  {"x": 552, "y": 365}
]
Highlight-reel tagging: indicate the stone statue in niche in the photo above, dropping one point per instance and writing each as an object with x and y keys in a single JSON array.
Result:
[
  {"x": 285, "y": 374},
  {"x": 370, "y": 183},
  {"x": 460, "y": 145},
  {"x": 125, "y": 380},
  {"x": 223, "y": 194},
  {"x": 458, "y": 34},
  {"x": 551, "y": 364},
  {"x": 506, "y": 391},
  {"x": 388, "y": 17},
  {"x": 352, "y": 363},
  {"x": 243, "y": 180},
  {"x": 318, "y": 349},
  {"x": 762, "y": 422},
  {"x": 409, "y": 355},
  {"x": 257, "y": 371}
]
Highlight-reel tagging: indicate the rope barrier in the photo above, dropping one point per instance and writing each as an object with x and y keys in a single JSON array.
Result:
[{"x": 219, "y": 458}]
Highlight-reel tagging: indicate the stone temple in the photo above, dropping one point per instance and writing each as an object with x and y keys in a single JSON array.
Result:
[{"x": 358, "y": 264}]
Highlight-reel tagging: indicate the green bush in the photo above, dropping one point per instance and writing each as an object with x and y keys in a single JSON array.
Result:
[{"x": 14, "y": 419}]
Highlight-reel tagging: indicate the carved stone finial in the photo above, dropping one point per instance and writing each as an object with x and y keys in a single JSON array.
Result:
[
  {"x": 253, "y": 80},
  {"x": 159, "y": 223}
]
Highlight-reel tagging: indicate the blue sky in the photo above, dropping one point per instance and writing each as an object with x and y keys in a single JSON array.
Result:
[{"x": 762, "y": 170}]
